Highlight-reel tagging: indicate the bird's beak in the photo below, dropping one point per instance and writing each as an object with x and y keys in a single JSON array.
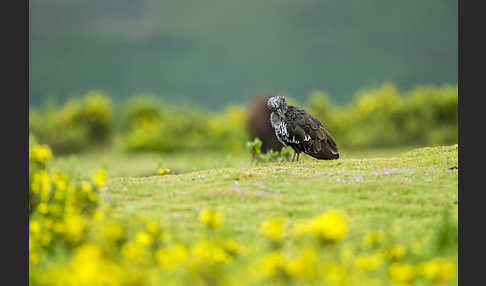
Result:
[{"x": 281, "y": 114}]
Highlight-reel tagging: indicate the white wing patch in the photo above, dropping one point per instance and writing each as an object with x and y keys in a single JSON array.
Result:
[{"x": 281, "y": 132}]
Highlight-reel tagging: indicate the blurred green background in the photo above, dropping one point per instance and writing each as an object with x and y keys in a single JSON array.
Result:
[
  {"x": 220, "y": 52},
  {"x": 168, "y": 77}
]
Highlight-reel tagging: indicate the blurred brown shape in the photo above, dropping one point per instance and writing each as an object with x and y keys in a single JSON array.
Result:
[{"x": 259, "y": 122}]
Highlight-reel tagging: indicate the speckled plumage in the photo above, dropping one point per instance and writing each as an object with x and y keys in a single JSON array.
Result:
[{"x": 298, "y": 129}]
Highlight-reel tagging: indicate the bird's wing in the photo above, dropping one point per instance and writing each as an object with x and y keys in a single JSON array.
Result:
[
  {"x": 309, "y": 131},
  {"x": 325, "y": 135},
  {"x": 296, "y": 126}
]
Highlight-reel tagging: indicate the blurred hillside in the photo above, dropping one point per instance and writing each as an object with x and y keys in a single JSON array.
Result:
[
  {"x": 377, "y": 118},
  {"x": 221, "y": 52}
]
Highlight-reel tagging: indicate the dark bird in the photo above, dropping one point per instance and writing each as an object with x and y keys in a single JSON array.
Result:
[
  {"x": 258, "y": 124},
  {"x": 298, "y": 129}
]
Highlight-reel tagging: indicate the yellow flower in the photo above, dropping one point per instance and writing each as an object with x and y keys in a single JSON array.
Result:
[
  {"x": 335, "y": 274},
  {"x": 90, "y": 267},
  {"x": 273, "y": 264},
  {"x": 88, "y": 252},
  {"x": 437, "y": 269},
  {"x": 86, "y": 187},
  {"x": 41, "y": 183},
  {"x": 397, "y": 252},
  {"x": 153, "y": 228},
  {"x": 304, "y": 266},
  {"x": 58, "y": 227},
  {"x": 373, "y": 238},
  {"x": 60, "y": 182},
  {"x": 170, "y": 258},
  {"x": 163, "y": 171},
  {"x": 273, "y": 228},
  {"x": 42, "y": 208},
  {"x": 331, "y": 226},
  {"x": 99, "y": 178},
  {"x": 232, "y": 247},
  {"x": 211, "y": 218},
  {"x": 369, "y": 262},
  {"x": 113, "y": 232},
  {"x": 74, "y": 226},
  {"x": 134, "y": 252},
  {"x": 41, "y": 153},
  {"x": 99, "y": 215},
  {"x": 209, "y": 253},
  {"x": 33, "y": 256},
  {"x": 401, "y": 272},
  {"x": 34, "y": 226},
  {"x": 144, "y": 238}
]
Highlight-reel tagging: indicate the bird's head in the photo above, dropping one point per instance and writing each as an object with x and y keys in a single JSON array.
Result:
[{"x": 278, "y": 105}]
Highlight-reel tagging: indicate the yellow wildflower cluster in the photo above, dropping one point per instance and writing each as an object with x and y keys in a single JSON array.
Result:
[
  {"x": 59, "y": 209},
  {"x": 163, "y": 171},
  {"x": 100, "y": 177},
  {"x": 373, "y": 238},
  {"x": 73, "y": 241},
  {"x": 402, "y": 273},
  {"x": 438, "y": 270},
  {"x": 273, "y": 228},
  {"x": 329, "y": 227},
  {"x": 369, "y": 262},
  {"x": 40, "y": 153},
  {"x": 211, "y": 218}
]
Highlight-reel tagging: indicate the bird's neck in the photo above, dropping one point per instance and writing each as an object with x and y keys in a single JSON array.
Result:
[{"x": 275, "y": 119}]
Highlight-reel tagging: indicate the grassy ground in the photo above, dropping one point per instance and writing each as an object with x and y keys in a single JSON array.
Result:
[
  {"x": 142, "y": 164},
  {"x": 408, "y": 190}
]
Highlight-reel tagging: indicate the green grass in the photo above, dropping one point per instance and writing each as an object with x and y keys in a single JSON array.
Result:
[
  {"x": 408, "y": 190},
  {"x": 142, "y": 164}
]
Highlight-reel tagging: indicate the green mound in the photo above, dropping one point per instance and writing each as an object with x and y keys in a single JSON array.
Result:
[{"x": 408, "y": 191}]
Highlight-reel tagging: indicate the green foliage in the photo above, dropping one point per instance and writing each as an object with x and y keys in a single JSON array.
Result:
[
  {"x": 159, "y": 126},
  {"x": 254, "y": 147},
  {"x": 140, "y": 109},
  {"x": 383, "y": 116},
  {"x": 446, "y": 234},
  {"x": 379, "y": 117},
  {"x": 75, "y": 126}
]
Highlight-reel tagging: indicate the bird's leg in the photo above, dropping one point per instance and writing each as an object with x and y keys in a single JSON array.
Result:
[
  {"x": 293, "y": 157},
  {"x": 298, "y": 156}
]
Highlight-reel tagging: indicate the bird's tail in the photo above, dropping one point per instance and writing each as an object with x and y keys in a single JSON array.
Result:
[{"x": 325, "y": 150}]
